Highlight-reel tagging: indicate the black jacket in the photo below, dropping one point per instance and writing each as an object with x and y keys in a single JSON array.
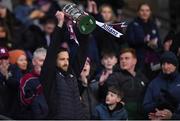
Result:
[
  {"x": 61, "y": 88},
  {"x": 9, "y": 89}
]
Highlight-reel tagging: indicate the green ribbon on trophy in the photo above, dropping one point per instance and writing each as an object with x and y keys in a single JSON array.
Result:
[{"x": 87, "y": 23}]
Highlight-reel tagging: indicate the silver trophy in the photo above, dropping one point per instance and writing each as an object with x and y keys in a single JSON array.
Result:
[{"x": 85, "y": 23}]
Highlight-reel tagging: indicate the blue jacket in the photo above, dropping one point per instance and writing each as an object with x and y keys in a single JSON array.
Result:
[
  {"x": 102, "y": 113},
  {"x": 154, "y": 97},
  {"x": 137, "y": 30},
  {"x": 22, "y": 13}
]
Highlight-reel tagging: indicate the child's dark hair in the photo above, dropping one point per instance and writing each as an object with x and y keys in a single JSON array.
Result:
[
  {"x": 169, "y": 36},
  {"x": 116, "y": 90},
  {"x": 48, "y": 20},
  {"x": 109, "y": 53}
]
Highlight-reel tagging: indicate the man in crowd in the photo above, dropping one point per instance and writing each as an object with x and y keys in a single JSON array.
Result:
[
  {"x": 60, "y": 85},
  {"x": 34, "y": 105},
  {"x": 162, "y": 96}
]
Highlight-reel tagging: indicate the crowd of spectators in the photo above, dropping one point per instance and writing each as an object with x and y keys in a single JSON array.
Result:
[{"x": 49, "y": 70}]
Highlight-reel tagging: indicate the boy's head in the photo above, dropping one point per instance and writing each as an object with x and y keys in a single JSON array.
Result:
[
  {"x": 109, "y": 59},
  {"x": 114, "y": 95}
]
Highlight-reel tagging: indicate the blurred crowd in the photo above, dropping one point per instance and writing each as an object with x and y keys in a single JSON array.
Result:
[{"x": 49, "y": 70}]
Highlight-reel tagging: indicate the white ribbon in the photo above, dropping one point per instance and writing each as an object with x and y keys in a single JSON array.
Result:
[{"x": 109, "y": 29}]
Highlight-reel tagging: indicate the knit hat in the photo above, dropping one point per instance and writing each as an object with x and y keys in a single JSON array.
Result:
[
  {"x": 169, "y": 57},
  {"x": 4, "y": 53},
  {"x": 14, "y": 55}
]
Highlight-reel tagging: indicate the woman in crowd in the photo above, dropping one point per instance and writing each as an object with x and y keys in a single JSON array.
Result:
[
  {"x": 19, "y": 58},
  {"x": 143, "y": 36}
]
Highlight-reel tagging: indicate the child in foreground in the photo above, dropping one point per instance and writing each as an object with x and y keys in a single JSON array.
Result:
[{"x": 113, "y": 108}]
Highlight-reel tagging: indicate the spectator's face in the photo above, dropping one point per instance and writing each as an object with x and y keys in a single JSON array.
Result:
[
  {"x": 86, "y": 68},
  {"x": 22, "y": 62},
  {"x": 168, "y": 68},
  {"x": 127, "y": 61},
  {"x": 4, "y": 61},
  {"x": 38, "y": 62},
  {"x": 107, "y": 14},
  {"x": 144, "y": 12},
  {"x": 2, "y": 32},
  {"x": 49, "y": 28},
  {"x": 4, "y": 65},
  {"x": 167, "y": 45},
  {"x": 109, "y": 62},
  {"x": 45, "y": 8},
  {"x": 3, "y": 12},
  {"x": 63, "y": 60},
  {"x": 112, "y": 98}
]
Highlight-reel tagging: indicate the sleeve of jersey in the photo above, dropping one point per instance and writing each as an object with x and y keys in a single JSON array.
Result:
[{"x": 27, "y": 89}]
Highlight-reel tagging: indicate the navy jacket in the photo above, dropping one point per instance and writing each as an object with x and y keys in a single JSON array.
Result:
[
  {"x": 136, "y": 32},
  {"x": 154, "y": 93},
  {"x": 102, "y": 112},
  {"x": 34, "y": 105}
]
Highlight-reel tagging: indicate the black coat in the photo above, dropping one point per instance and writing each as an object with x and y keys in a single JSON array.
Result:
[
  {"x": 61, "y": 88},
  {"x": 67, "y": 104},
  {"x": 9, "y": 100}
]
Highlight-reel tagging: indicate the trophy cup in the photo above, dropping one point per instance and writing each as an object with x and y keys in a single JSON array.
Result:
[{"x": 85, "y": 23}]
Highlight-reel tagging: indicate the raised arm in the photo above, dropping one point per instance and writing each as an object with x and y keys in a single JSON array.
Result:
[{"x": 49, "y": 66}]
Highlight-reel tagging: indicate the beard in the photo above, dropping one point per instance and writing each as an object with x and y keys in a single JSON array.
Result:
[{"x": 65, "y": 67}]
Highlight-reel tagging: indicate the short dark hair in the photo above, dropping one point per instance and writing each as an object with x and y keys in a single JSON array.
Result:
[
  {"x": 108, "y": 53},
  {"x": 48, "y": 20},
  {"x": 169, "y": 36},
  {"x": 116, "y": 90},
  {"x": 62, "y": 49},
  {"x": 128, "y": 50}
]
